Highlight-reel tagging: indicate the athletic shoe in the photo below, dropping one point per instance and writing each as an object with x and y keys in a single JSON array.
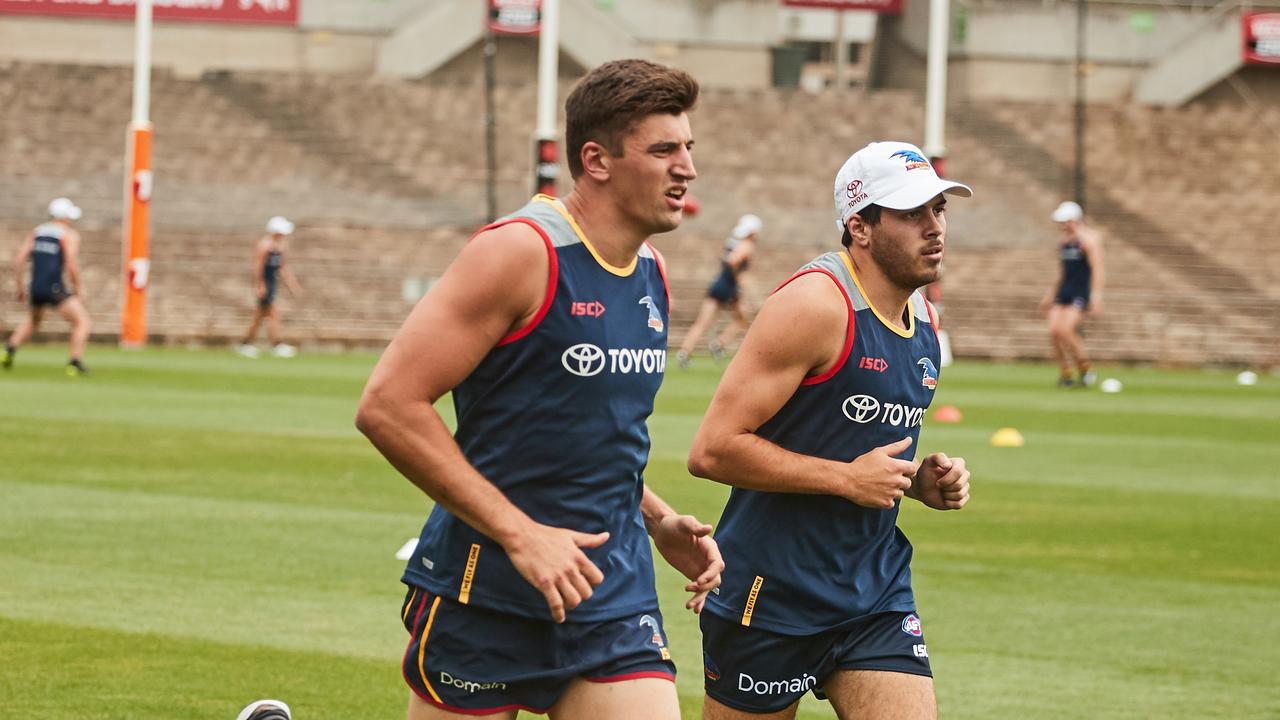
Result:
[
  {"x": 682, "y": 359},
  {"x": 1066, "y": 382},
  {"x": 246, "y": 350},
  {"x": 284, "y": 350},
  {"x": 717, "y": 350},
  {"x": 75, "y": 368},
  {"x": 265, "y": 710},
  {"x": 1088, "y": 378},
  {"x": 8, "y": 358}
]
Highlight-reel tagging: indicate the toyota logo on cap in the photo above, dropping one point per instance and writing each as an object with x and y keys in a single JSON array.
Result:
[
  {"x": 583, "y": 360},
  {"x": 861, "y": 408}
]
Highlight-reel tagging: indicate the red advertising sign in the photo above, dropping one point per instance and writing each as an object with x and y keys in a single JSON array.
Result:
[
  {"x": 884, "y": 7},
  {"x": 515, "y": 17},
  {"x": 257, "y": 12},
  {"x": 1262, "y": 38}
]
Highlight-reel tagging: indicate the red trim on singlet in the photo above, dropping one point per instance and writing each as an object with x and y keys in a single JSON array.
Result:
[
  {"x": 848, "y": 335},
  {"x": 662, "y": 270},
  {"x": 632, "y": 676},
  {"x": 552, "y": 277},
  {"x": 933, "y": 318}
]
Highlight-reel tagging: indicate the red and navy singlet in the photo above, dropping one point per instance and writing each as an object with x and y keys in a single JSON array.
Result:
[
  {"x": 801, "y": 564},
  {"x": 555, "y": 416}
]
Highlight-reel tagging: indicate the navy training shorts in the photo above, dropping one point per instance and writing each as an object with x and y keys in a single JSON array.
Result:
[
  {"x": 759, "y": 671},
  {"x": 473, "y": 660}
]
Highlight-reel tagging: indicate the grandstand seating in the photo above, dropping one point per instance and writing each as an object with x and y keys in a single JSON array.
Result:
[{"x": 386, "y": 179}]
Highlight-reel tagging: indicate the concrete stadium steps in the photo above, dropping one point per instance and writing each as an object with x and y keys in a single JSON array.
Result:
[{"x": 1185, "y": 197}]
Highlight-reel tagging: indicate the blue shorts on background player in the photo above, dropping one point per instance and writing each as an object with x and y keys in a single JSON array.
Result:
[
  {"x": 53, "y": 249},
  {"x": 532, "y": 584},
  {"x": 814, "y": 425}
]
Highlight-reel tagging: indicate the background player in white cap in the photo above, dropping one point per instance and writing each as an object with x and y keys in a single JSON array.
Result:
[
  {"x": 815, "y": 425},
  {"x": 725, "y": 292},
  {"x": 54, "y": 251},
  {"x": 1078, "y": 288},
  {"x": 268, "y": 269}
]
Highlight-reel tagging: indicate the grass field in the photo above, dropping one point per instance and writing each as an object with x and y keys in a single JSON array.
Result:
[{"x": 183, "y": 532}]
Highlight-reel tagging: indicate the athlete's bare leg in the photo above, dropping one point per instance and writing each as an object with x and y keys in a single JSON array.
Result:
[
  {"x": 73, "y": 310},
  {"x": 23, "y": 332},
  {"x": 273, "y": 324},
  {"x": 877, "y": 695},
  {"x": 258, "y": 314},
  {"x": 713, "y": 710},
  {"x": 639, "y": 699},
  {"x": 1064, "y": 325},
  {"x": 737, "y": 323},
  {"x": 420, "y": 709},
  {"x": 706, "y": 316}
]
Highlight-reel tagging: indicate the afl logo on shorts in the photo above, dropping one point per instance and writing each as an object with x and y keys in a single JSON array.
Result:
[
  {"x": 583, "y": 360},
  {"x": 911, "y": 625}
]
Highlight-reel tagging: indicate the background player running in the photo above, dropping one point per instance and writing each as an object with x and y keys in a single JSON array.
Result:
[
  {"x": 725, "y": 292},
  {"x": 53, "y": 249}
]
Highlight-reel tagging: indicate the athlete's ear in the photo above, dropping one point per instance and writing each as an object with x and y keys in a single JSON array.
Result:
[
  {"x": 859, "y": 230},
  {"x": 596, "y": 161}
]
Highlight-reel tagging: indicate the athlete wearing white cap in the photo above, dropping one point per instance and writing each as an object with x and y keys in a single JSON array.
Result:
[
  {"x": 815, "y": 425},
  {"x": 1078, "y": 289},
  {"x": 53, "y": 249},
  {"x": 725, "y": 292},
  {"x": 268, "y": 269}
]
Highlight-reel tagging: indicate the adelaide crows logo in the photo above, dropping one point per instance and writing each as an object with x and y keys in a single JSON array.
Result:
[
  {"x": 655, "y": 320},
  {"x": 912, "y": 158},
  {"x": 930, "y": 379}
]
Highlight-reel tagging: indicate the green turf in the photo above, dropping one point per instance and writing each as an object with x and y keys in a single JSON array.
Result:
[{"x": 182, "y": 532}]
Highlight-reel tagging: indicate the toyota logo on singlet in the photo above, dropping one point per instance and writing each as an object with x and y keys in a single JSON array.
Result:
[
  {"x": 861, "y": 408},
  {"x": 583, "y": 360}
]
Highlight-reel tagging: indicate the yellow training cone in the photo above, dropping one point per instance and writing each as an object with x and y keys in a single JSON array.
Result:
[{"x": 1007, "y": 437}]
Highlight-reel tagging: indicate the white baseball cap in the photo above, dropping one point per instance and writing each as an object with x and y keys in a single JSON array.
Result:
[
  {"x": 895, "y": 175},
  {"x": 747, "y": 226},
  {"x": 63, "y": 209},
  {"x": 1068, "y": 211},
  {"x": 279, "y": 226}
]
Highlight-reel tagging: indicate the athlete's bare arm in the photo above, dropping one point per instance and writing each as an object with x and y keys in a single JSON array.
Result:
[
  {"x": 71, "y": 260},
  {"x": 20, "y": 263},
  {"x": 799, "y": 332},
  {"x": 686, "y": 544},
  {"x": 259, "y": 266},
  {"x": 739, "y": 256},
  {"x": 290, "y": 281},
  {"x": 1091, "y": 243},
  {"x": 496, "y": 285}
]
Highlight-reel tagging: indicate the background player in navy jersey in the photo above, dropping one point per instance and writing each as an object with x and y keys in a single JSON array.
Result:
[
  {"x": 532, "y": 584},
  {"x": 53, "y": 249},
  {"x": 814, "y": 425},
  {"x": 269, "y": 269},
  {"x": 725, "y": 292},
  {"x": 1078, "y": 289}
]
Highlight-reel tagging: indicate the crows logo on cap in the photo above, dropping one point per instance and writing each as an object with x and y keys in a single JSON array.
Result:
[{"x": 912, "y": 158}]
